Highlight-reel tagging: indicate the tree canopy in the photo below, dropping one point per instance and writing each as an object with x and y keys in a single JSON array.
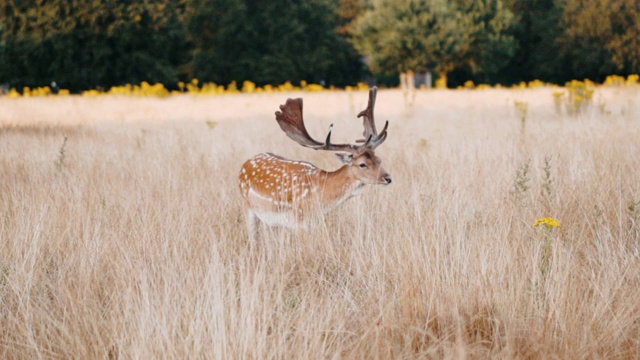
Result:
[
  {"x": 90, "y": 43},
  {"x": 269, "y": 42},
  {"x": 83, "y": 44},
  {"x": 439, "y": 35},
  {"x": 600, "y": 37}
]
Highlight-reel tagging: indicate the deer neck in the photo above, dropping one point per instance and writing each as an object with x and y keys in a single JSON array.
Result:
[{"x": 338, "y": 186}]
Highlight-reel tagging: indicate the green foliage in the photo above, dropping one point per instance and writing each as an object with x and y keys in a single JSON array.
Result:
[
  {"x": 536, "y": 29},
  {"x": 273, "y": 42},
  {"x": 415, "y": 35},
  {"x": 401, "y": 36},
  {"x": 601, "y": 37},
  {"x": 493, "y": 41},
  {"x": 82, "y": 44},
  {"x": 584, "y": 35},
  {"x": 574, "y": 39},
  {"x": 87, "y": 44}
]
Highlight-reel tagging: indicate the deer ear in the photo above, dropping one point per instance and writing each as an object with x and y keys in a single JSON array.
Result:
[{"x": 344, "y": 158}]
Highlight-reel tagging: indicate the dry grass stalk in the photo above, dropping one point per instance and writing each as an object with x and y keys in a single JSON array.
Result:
[{"x": 138, "y": 248}]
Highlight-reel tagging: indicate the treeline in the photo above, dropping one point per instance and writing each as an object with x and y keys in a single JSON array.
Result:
[{"x": 82, "y": 44}]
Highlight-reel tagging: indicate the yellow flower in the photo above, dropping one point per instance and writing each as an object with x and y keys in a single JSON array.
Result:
[
  {"x": 535, "y": 84},
  {"x": 441, "y": 83},
  {"x": 548, "y": 222},
  {"x": 364, "y": 86},
  {"x": 13, "y": 93},
  {"x": 91, "y": 93},
  {"x": 248, "y": 86},
  {"x": 313, "y": 87}
]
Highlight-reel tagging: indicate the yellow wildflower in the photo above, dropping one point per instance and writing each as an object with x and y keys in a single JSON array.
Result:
[
  {"x": 248, "y": 86},
  {"x": 548, "y": 222},
  {"x": 313, "y": 87},
  {"x": 13, "y": 93},
  {"x": 535, "y": 84}
]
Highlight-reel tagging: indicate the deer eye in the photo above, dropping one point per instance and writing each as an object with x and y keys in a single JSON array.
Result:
[{"x": 363, "y": 165}]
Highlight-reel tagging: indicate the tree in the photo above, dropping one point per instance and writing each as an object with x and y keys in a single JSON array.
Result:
[
  {"x": 401, "y": 36},
  {"x": 416, "y": 35},
  {"x": 216, "y": 30},
  {"x": 84, "y": 44},
  {"x": 624, "y": 45},
  {"x": 585, "y": 31},
  {"x": 536, "y": 29},
  {"x": 494, "y": 43},
  {"x": 600, "y": 37},
  {"x": 348, "y": 11},
  {"x": 269, "y": 42}
]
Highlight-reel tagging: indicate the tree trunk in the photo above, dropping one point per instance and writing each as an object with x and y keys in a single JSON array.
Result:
[
  {"x": 411, "y": 80},
  {"x": 408, "y": 81},
  {"x": 403, "y": 81}
]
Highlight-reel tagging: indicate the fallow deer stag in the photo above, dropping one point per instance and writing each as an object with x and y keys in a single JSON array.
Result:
[{"x": 281, "y": 192}]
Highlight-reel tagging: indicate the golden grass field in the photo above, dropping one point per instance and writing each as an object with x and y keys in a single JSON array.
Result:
[{"x": 127, "y": 239}]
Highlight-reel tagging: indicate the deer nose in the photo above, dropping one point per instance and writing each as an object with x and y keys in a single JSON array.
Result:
[{"x": 387, "y": 179}]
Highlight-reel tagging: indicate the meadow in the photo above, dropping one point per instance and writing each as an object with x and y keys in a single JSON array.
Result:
[{"x": 122, "y": 231}]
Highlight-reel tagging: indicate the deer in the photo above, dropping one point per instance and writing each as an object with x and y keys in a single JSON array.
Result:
[{"x": 291, "y": 194}]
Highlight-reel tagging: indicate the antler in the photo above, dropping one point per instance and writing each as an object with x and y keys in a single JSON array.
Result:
[
  {"x": 291, "y": 122},
  {"x": 371, "y": 137}
]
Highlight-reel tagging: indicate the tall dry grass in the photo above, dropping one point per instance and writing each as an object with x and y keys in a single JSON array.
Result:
[{"x": 126, "y": 240}]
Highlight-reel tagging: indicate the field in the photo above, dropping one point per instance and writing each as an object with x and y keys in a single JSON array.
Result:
[{"x": 122, "y": 231}]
